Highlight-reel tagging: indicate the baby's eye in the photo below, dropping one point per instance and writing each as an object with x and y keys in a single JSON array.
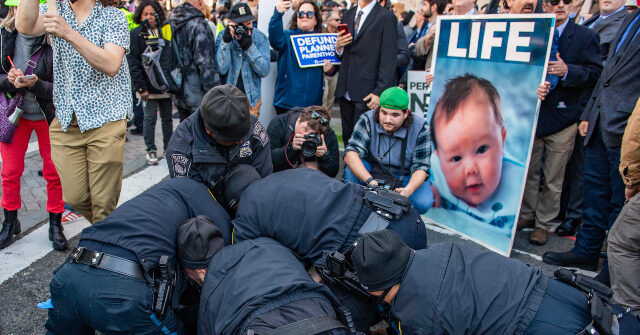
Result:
[
  {"x": 456, "y": 158},
  {"x": 482, "y": 149}
]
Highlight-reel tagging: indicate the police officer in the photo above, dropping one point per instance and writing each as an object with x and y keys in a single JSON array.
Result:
[
  {"x": 260, "y": 286},
  {"x": 222, "y": 134},
  {"x": 454, "y": 289},
  {"x": 121, "y": 277},
  {"x": 312, "y": 214}
]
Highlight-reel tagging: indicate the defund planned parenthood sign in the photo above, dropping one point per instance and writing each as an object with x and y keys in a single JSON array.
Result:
[{"x": 312, "y": 49}]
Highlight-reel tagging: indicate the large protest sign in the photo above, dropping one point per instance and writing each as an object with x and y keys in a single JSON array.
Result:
[
  {"x": 312, "y": 49},
  {"x": 419, "y": 92},
  {"x": 483, "y": 113}
]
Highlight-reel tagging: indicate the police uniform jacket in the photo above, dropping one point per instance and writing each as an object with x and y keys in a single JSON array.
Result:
[
  {"x": 311, "y": 214},
  {"x": 193, "y": 153},
  {"x": 448, "y": 289},
  {"x": 249, "y": 285}
]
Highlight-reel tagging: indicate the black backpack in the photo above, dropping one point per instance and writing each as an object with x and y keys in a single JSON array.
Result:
[{"x": 162, "y": 63}]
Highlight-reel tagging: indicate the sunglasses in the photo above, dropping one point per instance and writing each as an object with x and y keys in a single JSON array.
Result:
[
  {"x": 323, "y": 120},
  {"x": 557, "y": 2},
  {"x": 308, "y": 14}
]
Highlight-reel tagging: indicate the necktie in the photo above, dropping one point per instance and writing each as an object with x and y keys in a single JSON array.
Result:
[
  {"x": 629, "y": 34},
  {"x": 356, "y": 25}
]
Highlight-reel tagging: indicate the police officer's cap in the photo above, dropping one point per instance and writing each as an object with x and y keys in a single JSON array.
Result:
[
  {"x": 380, "y": 259},
  {"x": 237, "y": 180},
  {"x": 198, "y": 240},
  {"x": 225, "y": 113}
]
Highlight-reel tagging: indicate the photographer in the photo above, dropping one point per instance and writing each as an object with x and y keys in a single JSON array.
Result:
[
  {"x": 242, "y": 54},
  {"x": 302, "y": 137}
]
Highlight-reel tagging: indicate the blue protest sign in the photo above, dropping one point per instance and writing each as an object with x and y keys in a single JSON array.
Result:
[{"x": 312, "y": 49}]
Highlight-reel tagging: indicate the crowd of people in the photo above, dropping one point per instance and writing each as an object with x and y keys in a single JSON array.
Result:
[{"x": 83, "y": 72}]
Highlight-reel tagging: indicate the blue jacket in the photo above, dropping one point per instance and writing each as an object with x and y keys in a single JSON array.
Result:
[
  {"x": 254, "y": 63},
  {"x": 295, "y": 86}
]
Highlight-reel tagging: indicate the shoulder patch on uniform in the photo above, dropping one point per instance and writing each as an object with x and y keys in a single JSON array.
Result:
[
  {"x": 181, "y": 165},
  {"x": 245, "y": 150},
  {"x": 261, "y": 134}
]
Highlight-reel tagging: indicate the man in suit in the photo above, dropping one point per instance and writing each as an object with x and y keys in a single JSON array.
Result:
[
  {"x": 606, "y": 23},
  {"x": 368, "y": 52},
  {"x": 578, "y": 66},
  {"x": 603, "y": 123}
]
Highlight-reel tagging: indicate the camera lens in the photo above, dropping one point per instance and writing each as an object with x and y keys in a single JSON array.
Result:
[{"x": 309, "y": 148}]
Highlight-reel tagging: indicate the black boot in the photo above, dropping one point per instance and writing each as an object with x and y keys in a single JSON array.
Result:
[
  {"x": 55, "y": 232},
  {"x": 10, "y": 228}
]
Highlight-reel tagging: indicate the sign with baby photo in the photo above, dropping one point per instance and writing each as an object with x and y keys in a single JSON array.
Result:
[
  {"x": 312, "y": 49},
  {"x": 482, "y": 114}
]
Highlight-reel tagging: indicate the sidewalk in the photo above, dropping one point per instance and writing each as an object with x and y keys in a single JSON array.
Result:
[{"x": 33, "y": 186}]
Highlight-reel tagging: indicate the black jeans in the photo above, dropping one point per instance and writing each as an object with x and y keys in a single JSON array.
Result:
[
  {"x": 350, "y": 111},
  {"x": 150, "y": 118}
]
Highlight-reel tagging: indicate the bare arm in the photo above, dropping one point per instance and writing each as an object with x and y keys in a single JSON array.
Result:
[
  {"x": 29, "y": 20},
  {"x": 417, "y": 178},
  {"x": 106, "y": 60}
]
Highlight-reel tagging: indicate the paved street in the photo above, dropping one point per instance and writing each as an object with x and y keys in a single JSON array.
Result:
[{"x": 26, "y": 266}]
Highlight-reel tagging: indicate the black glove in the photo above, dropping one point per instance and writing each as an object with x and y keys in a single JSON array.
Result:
[
  {"x": 245, "y": 42},
  {"x": 226, "y": 36}
]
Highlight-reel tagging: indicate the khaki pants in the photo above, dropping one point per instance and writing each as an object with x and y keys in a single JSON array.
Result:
[
  {"x": 624, "y": 256},
  {"x": 90, "y": 166},
  {"x": 555, "y": 151},
  {"x": 328, "y": 96}
]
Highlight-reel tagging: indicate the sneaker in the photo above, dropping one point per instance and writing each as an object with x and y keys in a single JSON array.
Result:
[{"x": 152, "y": 157}]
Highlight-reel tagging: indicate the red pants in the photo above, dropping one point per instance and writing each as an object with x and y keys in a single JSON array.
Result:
[{"x": 13, "y": 166}]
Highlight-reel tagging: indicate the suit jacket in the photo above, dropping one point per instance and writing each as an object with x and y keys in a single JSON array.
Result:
[
  {"x": 607, "y": 29},
  {"x": 617, "y": 90},
  {"x": 369, "y": 62},
  {"x": 579, "y": 48}
]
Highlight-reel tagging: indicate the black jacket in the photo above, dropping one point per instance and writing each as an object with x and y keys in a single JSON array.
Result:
[
  {"x": 369, "y": 62},
  {"x": 43, "y": 88},
  {"x": 193, "y": 153},
  {"x": 280, "y": 130},
  {"x": 247, "y": 284},
  {"x": 579, "y": 48},
  {"x": 139, "y": 79}
]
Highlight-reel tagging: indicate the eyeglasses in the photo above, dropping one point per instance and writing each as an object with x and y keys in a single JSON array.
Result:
[
  {"x": 308, "y": 14},
  {"x": 557, "y": 2},
  {"x": 317, "y": 116}
]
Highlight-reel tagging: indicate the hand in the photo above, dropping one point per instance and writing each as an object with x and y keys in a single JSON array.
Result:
[
  {"x": 23, "y": 82},
  {"x": 543, "y": 90},
  {"x": 144, "y": 95},
  {"x": 373, "y": 101},
  {"x": 429, "y": 77},
  {"x": 13, "y": 74},
  {"x": 404, "y": 191},
  {"x": 436, "y": 196},
  {"x": 245, "y": 42},
  {"x": 630, "y": 192},
  {"x": 321, "y": 150},
  {"x": 583, "y": 127},
  {"x": 55, "y": 25},
  {"x": 327, "y": 67},
  {"x": 296, "y": 144},
  {"x": 344, "y": 39},
  {"x": 283, "y": 6},
  {"x": 226, "y": 35},
  {"x": 557, "y": 67},
  {"x": 373, "y": 183}
]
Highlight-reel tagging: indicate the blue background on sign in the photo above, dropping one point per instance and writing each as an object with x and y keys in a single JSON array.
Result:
[{"x": 315, "y": 61}]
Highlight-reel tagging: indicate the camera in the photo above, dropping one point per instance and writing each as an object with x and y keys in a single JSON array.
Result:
[
  {"x": 310, "y": 144},
  {"x": 241, "y": 31}
]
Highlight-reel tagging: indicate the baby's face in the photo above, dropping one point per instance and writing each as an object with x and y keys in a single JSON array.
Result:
[{"x": 470, "y": 149}]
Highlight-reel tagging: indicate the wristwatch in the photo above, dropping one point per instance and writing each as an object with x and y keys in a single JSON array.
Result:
[{"x": 369, "y": 180}]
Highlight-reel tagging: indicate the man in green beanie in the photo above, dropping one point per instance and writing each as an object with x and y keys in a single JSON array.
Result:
[{"x": 374, "y": 153}]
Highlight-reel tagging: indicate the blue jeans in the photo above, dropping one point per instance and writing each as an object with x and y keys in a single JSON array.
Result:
[
  {"x": 421, "y": 199},
  {"x": 86, "y": 299},
  {"x": 603, "y": 195}
]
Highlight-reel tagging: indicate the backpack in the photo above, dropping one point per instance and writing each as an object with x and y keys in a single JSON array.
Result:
[{"x": 162, "y": 63}]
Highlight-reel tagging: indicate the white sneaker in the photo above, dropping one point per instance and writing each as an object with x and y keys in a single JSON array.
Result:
[{"x": 152, "y": 157}]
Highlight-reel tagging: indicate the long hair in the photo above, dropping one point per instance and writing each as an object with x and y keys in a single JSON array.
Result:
[
  {"x": 316, "y": 10},
  {"x": 9, "y": 22},
  {"x": 156, "y": 7}
]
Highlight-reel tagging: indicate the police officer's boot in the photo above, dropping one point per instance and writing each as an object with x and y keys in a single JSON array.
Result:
[
  {"x": 10, "y": 228},
  {"x": 55, "y": 232}
]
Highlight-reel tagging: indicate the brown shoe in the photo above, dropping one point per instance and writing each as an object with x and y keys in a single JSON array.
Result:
[
  {"x": 538, "y": 236},
  {"x": 523, "y": 223}
]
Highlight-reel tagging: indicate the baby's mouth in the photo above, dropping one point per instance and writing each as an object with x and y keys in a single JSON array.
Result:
[{"x": 474, "y": 188}]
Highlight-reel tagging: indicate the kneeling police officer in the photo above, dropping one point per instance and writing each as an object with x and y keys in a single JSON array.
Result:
[
  {"x": 453, "y": 288},
  {"x": 121, "y": 277},
  {"x": 219, "y": 136}
]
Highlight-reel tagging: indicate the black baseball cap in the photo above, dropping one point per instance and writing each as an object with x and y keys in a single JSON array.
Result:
[
  {"x": 240, "y": 13},
  {"x": 198, "y": 240},
  {"x": 225, "y": 112}
]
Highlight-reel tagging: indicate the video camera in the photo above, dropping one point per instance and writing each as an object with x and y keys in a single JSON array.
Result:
[{"x": 310, "y": 144}]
